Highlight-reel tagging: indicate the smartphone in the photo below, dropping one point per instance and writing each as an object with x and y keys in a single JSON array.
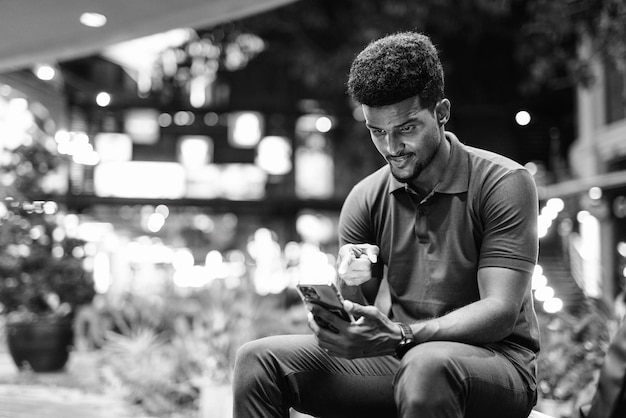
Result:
[{"x": 328, "y": 296}]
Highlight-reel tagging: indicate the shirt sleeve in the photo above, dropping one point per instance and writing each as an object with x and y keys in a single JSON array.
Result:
[
  {"x": 354, "y": 219},
  {"x": 509, "y": 214}
]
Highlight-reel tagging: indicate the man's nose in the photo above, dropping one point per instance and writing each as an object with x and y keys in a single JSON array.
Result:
[{"x": 394, "y": 144}]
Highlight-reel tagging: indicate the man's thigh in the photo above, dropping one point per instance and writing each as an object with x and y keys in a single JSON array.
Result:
[
  {"x": 325, "y": 386},
  {"x": 485, "y": 383}
]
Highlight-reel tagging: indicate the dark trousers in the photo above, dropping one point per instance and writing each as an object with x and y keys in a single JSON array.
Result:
[{"x": 434, "y": 379}]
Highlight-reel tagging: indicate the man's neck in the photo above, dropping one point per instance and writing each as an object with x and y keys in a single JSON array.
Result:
[{"x": 432, "y": 175}]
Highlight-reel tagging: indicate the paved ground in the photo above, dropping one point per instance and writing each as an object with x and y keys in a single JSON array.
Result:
[
  {"x": 27, "y": 401},
  {"x": 71, "y": 393}
]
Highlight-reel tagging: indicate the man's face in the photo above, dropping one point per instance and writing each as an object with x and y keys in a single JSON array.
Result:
[{"x": 406, "y": 135}]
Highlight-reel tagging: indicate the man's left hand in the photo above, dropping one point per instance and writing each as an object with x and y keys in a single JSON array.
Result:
[{"x": 373, "y": 334}]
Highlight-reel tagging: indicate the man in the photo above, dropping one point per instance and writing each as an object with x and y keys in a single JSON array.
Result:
[{"x": 453, "y": 230}]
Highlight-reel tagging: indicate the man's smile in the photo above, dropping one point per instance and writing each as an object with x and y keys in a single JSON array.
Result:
[{"x": 399, "y": 160}]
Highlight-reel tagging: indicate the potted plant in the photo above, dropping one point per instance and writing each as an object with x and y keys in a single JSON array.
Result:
[
  {"x": 572, "y": 351},
  {"x": 42, "y": 279}
]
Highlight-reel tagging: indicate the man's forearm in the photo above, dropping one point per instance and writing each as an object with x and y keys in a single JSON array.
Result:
[{"x": 481, "y": 322}]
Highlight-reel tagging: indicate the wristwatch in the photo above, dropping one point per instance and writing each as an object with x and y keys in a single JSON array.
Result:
[{"x": 407, "y": 341}]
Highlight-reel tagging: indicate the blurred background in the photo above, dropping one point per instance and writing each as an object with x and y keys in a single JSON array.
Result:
[{"x": 170, "y": 170}]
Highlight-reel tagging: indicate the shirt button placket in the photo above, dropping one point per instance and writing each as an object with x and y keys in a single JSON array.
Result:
[{"x": 421, "y": 230}]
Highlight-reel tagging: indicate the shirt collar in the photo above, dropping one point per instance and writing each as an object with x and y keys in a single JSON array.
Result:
[{"x": 456, "y": 175}]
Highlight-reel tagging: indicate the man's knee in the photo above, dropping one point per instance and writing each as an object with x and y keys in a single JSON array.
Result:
[
  {"x": 430, "y": 360},
  {"x": 255, "y": 373},
  {"x": 247, "y": 353},
  {"x": 252, "y": 357},
  {"x": 428, "y": 377}
]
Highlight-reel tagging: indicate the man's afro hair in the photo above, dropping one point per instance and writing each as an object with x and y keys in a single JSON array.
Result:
[{"x": 396, "y": 67}]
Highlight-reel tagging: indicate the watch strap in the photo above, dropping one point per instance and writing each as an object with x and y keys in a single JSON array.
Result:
[{"x": 407, "y": 341}]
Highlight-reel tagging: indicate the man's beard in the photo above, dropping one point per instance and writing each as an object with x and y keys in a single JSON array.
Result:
[{"x": 418, "y": 168}]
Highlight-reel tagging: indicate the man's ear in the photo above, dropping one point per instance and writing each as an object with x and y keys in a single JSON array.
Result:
[{"x": 442, "y": 111}]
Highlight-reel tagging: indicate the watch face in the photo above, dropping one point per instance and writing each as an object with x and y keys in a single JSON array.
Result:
[{"x": 403, "y": 347}]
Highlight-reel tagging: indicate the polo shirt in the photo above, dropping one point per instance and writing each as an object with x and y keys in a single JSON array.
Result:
[{"x": 482, "y": 213}]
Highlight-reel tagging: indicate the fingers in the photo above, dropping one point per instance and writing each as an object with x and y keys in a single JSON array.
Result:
[
  {"x": 372, "y": 253},
  {"x": 358, "y": 272},
  {"x": 360, "y": 264},
  {"x": 345, "y": 259},
  {"x": 312, "y": 324},
  {"x": 328, "y": 320},
  {"x": 344, "y": 264},
  {"x": 351, "y": 339},
  {"x": 360, "y": 310},
  {"x": 322, "y": 339},
  {"x": 330, "y": 332},
  {"x": 355, "y": 262}
]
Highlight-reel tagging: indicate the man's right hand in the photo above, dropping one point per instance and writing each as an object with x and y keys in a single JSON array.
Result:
[{"x": 354, "y": 263}]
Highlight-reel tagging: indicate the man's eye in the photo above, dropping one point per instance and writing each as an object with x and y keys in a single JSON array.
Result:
[
  {"x": 377, "y": 131},
  {"x": 408, "y": 128}
]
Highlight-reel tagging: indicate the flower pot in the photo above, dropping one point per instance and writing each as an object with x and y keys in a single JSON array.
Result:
[{"x": 43, "y": 346}]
